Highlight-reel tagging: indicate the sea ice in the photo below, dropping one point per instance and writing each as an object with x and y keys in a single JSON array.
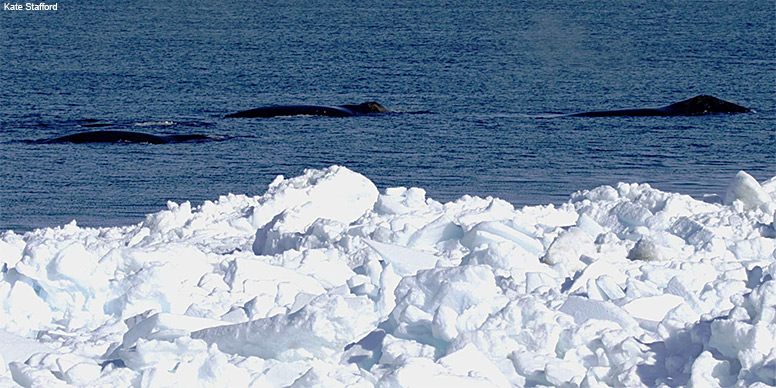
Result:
[{"x": 325, "y": 281}]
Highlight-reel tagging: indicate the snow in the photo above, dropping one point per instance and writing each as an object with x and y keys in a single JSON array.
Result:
[{"x": 325, "y": 281}]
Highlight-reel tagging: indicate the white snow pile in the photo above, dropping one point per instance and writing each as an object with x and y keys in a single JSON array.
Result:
[{"x": 325, "y": 282}]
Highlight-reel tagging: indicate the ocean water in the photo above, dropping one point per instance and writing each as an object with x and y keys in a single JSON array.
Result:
[{"x": 487, "y": 74}]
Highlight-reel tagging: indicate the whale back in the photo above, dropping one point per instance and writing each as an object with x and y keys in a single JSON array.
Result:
[
  {"x": 122, "y": 137},
  {"x": 696, "y": 106},
  {"x": 109, "y": 137},
  {"x": 312, "y": 110},
  {"x": 294, "y": 110},
  {"x": 703, "y": 104}
]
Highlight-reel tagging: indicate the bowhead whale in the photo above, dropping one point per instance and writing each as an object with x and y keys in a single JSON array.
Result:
[
  {"x": 313, "y": 110},
  {"x": 123, "y": 137},
  {"x": 696, "y": 106}
]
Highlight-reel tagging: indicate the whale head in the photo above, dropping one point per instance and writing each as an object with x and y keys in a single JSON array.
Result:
[
  {"x": 366, "y": 108},
  {"x": 703, "y": 104}
]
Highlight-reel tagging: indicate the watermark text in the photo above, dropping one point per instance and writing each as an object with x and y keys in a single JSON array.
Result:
[{"x": 30, "y": 7}]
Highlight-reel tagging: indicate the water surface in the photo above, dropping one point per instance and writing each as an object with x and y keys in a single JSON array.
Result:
[{"x": 488, "y": 74}]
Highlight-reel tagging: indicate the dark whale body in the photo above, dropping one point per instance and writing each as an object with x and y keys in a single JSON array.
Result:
[
  {"x": 696, "y": 106},
  {"x": 313, "y": 110},
  {"x": 123, "y": 137}
]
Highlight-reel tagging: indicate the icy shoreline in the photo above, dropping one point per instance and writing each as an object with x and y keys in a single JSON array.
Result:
[{"x": 324, "y": 281}]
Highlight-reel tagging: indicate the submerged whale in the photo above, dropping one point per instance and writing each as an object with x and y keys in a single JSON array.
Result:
[
  {"x": 313, "y": 110},
  {"x": 696, "y": 106},
  {"x": 123, "y": 137}
]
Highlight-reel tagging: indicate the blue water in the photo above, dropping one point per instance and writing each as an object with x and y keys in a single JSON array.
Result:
[{"x": 488, "y": 72}]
